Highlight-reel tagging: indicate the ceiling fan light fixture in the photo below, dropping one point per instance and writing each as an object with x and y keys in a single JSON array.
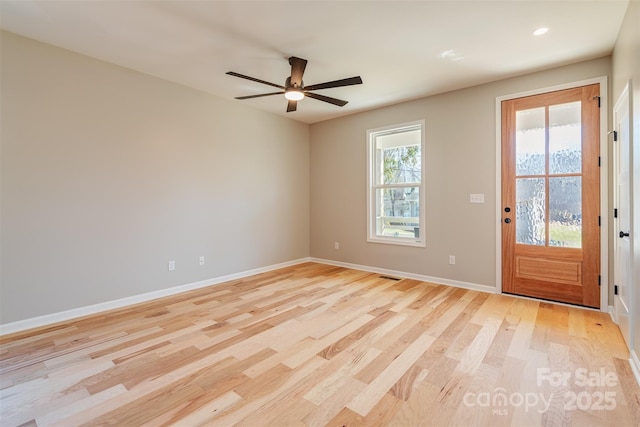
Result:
[{"x": 294, "y": 94}]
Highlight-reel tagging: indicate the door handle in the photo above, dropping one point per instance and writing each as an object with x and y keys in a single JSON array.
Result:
[
  {"x": 508, "y": 220},
  {"x": 623, "y": 234}
]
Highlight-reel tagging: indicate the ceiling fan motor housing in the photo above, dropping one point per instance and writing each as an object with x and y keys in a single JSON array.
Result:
[{"x": 287, "y": 84}]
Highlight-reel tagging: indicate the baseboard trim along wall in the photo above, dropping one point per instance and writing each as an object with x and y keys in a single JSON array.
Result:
[
  {"x": 405, "y": 275},
  {"x": 635, "y": 365},
  {"x": 63, "y": 316}
]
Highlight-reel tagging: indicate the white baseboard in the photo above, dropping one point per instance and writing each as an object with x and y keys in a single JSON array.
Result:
[
  {"x": 63, "y": 316},
  {"x": 612, "y": 314},
  {"x": 635, "y": 365},
  {"x": 403, "y": 274}
]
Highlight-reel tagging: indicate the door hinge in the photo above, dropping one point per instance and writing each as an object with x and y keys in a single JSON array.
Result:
[
  {"x": 615, "y": 213},
  {"x": 598, "y": 98},
  {"x": 615, "y": 290},
  {"x": 599, "y": 280},
  {"x": 599, "y": 221},
  {"x": 615, "y": 135},
  {"x": 599, "y": 161}
]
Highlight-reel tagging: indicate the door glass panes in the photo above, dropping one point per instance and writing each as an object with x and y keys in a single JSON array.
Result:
[
  {"x": 530, "y": 211},
  {"x": 549, "y": 162},
  {"x": 565, "y": 138},
  {"x": 565, "y": 211},
  {"x": 398, "y": 212},
  {"x": 530, "y": 142}
]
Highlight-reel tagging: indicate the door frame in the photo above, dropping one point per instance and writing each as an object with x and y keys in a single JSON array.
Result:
[{"x": 604, "y": 182}]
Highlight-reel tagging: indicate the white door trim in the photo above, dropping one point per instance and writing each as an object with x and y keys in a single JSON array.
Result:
[{"x": 604, "y": 183}]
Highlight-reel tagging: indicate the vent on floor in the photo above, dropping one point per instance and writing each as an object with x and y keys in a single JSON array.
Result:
[{"x": 390, "y": 278}]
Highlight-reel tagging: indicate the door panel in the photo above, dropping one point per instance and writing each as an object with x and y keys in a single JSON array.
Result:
[
  {"x": 622, "y": 249},
  {"x": 551, "y": 196},
  {"x": 568, "y": 272}
]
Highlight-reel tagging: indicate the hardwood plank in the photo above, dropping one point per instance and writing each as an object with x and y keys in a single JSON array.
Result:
[
  {"x": 250, "y": 406},
  {"x": 353, "y": 363},
  {"x": 521, "y": 341},
  {"x": 403, "y": 388},
  {"x": 63, "y": 411},
  {"x": 338, "y": 346},
  {"x": 484, "y": 381},
  {"x": 314, "y": 347},
  {"x": 384, "y": 411},
  {"x": 450, "y": 335},
  {"x": 419, "y": 409},
  {"x": 365, "y": 401},
  {"x": 334, "y": 403},
  {"x": 202, "y": 415}
]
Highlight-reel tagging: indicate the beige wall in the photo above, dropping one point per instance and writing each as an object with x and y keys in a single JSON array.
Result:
[
  {"x": 626, "y": 68},
  {"x": 461, "y": 153},
  {"x": 107, "y": 174}
]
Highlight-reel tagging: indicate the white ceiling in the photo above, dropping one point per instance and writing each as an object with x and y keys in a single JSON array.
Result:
[{"x": 402, "y": 49}]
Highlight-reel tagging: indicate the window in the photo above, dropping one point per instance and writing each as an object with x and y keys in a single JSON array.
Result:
[{"x": 395, "y": 198}]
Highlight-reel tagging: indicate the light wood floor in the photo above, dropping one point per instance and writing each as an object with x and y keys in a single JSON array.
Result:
[{"x": 316, "y": 345}]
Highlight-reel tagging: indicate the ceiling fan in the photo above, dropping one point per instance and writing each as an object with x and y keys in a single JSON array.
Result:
[{"x": 294, "y": 89}]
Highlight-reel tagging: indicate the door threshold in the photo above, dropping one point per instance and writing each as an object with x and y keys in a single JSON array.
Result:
[{"x": 565, "y": 304}]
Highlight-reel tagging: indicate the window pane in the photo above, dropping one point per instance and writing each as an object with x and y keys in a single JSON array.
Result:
[
  {"x": 530, "y": 146},
  {"x": 401, "y": 165},
  {"x": 399, "y": 157},
  {"x": 565, "y": 211},
  {"x": 530, "y": 211},
  {"x": 398, "y": 212},
  {"x": 565, "y": 138}
]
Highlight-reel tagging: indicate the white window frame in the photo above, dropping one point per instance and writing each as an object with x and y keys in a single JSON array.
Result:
[{"x": 372, "y": 186}]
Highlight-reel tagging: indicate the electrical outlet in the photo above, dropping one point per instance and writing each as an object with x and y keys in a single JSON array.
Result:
[
  {"x": 202, "y": 260},
  {"x": 452, "y": 259},
  {"x": 172, "y": 265},
  {"x": 336, "y": 245}
]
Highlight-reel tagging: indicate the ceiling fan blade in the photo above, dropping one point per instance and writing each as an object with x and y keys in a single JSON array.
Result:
[
  {"x": 253, "y": 79},
  {"x": 336, "y": 83},
  {"x": 297, "y": 70},
  {"x": 292, "y": 106},
  {"x": 258, "y": 96},
  {"x": 334, "y": 101}
]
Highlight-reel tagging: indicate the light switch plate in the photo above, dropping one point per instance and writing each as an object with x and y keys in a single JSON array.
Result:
[{"x": 476, "y": 198}]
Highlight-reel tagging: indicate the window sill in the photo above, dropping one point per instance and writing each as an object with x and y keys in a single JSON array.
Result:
[{"x": 397, "y": 241}]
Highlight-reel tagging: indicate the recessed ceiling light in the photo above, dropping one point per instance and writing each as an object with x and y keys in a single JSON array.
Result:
[
  {"x": 448, "y": 54},
  {"x": 451, "y": 55},
  {"x": 540, "y": 31}
]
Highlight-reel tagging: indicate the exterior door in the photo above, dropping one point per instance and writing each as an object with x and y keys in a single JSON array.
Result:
[
  {"x": 551, "y": 196},
  {"x": 622, "y": 249}
]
